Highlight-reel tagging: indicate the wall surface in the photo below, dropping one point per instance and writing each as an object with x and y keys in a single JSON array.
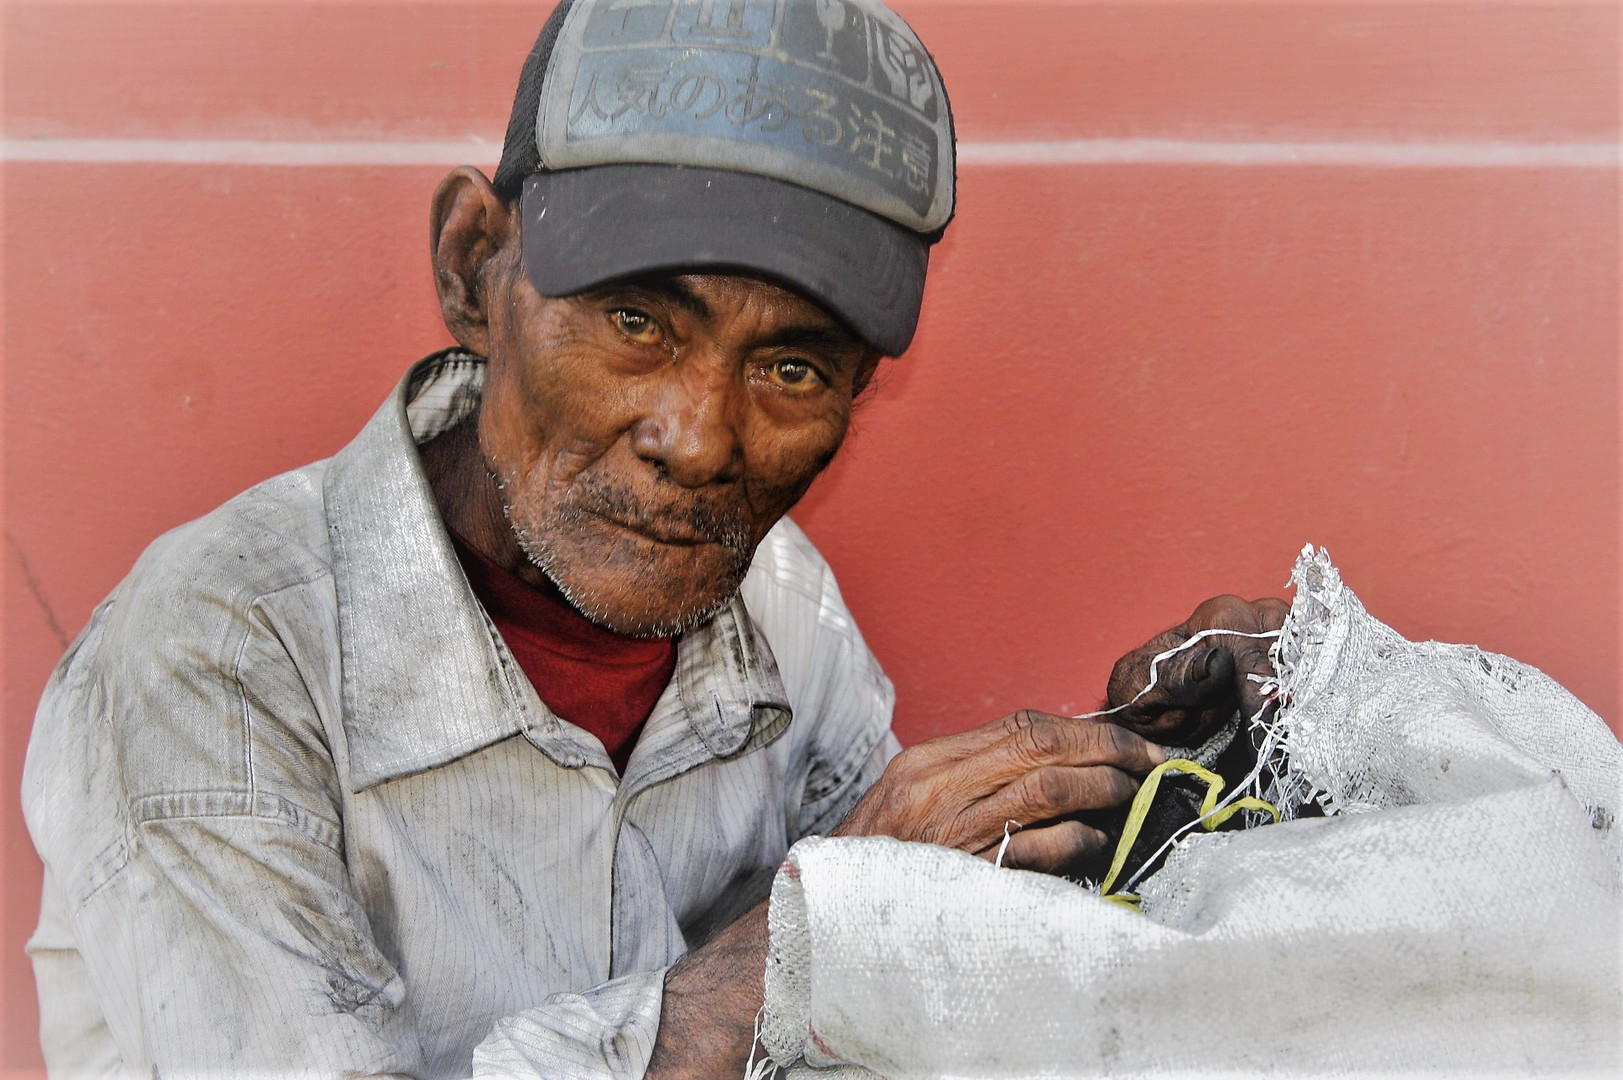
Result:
[{"x": 1226, "y": 278}]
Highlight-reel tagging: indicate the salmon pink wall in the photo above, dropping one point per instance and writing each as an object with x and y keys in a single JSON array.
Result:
[{"x": 1226, "y": 278}]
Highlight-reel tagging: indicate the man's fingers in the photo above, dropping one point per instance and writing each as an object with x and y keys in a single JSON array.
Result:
[
  {"x": 1001, "y": 750},
  {"x": 1251, "y": 654},
  {"x": 1051, "y": 849},
  {"x": 1271, "y": 612},
  {"x": 1132, "y": 672},
  {"x": 939, "y": 793},
  {"x": 979, "y": 739},
  {"x": 1032, "y": 767},
  {"x": 1196, "y": 675},
  {"x": 1262, "y": 616},
  {"x": 1041, "y": 740},
  {"x": 1048, "y": 793},
  {"x": 1199, "y": 687},
  {"x": 1194, "y": 688},
  {"x": 1228, "y": 612}
]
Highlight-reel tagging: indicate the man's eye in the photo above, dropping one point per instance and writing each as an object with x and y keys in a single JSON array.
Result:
[
  {"x": 794, "y": 375},
  {"x": 638, "y": 326}
]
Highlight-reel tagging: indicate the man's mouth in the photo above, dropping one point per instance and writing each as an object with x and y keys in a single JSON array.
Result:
[
  {"x": 674, "y": 522},
  {"x": 662, "y": 530}
]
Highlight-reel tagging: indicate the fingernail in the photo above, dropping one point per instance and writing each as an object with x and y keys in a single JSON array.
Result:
[
  {"x": 1157, "y": 754},
  {"x": 1205, "y": 664}
]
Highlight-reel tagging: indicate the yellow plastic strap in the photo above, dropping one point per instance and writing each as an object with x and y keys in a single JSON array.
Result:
[
  {"x": 1141, "y": 809},
  {"x": 1146, "y": 797},
  {"x": 1247, "y": 803}
]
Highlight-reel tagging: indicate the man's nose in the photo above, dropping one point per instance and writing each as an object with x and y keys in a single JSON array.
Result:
[{"x": 691, "y": 432}]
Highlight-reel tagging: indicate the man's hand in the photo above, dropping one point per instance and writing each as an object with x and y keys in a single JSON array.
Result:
[
  {"x": 1031, "y": 768},
  {"x": 956, "y": 790},
  {"x": 1040, "y": 771},
  {"x": 1201, "y": 687}
]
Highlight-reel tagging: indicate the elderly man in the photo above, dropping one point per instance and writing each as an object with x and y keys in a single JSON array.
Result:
[{"x": 494, "y": 727}]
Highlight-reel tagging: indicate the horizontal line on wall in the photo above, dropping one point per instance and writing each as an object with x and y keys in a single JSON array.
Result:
[
  {"x": 1380, "y": 155},
  {"x": 251, "y": 151}
]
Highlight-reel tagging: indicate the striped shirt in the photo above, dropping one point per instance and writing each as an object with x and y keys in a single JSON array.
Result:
[{"x": 301, "y": 812}]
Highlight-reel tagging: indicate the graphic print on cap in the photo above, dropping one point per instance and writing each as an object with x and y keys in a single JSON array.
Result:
[{"x": 833, "y": 95}]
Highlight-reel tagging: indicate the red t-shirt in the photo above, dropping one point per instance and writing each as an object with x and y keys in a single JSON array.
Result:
[{"x": 596, "y": 679}]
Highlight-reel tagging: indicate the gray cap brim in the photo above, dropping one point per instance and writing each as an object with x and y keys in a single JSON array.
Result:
[{"x": 585, "y": 227}]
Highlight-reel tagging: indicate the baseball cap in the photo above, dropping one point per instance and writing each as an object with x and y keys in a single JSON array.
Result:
[{"x": 809, "y": 141}]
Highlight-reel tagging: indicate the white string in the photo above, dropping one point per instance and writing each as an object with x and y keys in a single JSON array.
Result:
[
  {"x": 754, "y": 1070},
  {"x": 1269, "y": 743},
  {"x": 1239, "y": 789},
  {"x": 1003, "y": 847},
  {"x": 1155, "y": 663}
]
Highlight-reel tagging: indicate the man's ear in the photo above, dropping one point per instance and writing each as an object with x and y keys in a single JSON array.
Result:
[
  {"x": 469, "y": 229},
  {"x": 865, "y": 373}
]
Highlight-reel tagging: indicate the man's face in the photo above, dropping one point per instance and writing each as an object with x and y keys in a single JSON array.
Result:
[{"x": 645, "y": 436}]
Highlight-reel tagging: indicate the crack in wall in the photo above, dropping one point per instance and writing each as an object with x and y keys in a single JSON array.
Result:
[{"x": 38, "y": 590}]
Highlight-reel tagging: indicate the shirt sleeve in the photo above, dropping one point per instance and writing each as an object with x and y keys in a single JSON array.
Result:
[
  {"x": 843, "y": 784},
  {"x": 606, "y": 1033},
  {"x": 198, "y": 906},
  {"x": 71, "y": 1027}
]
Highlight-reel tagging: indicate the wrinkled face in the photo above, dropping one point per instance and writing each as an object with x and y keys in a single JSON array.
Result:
[{"x": 645, "y": 436}]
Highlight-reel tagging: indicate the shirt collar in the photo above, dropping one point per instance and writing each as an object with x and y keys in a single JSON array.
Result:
[{"x": 426, "y": 678}]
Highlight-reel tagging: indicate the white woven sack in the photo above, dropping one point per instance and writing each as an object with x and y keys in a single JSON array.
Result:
[{"x": 1459, "y": 908}]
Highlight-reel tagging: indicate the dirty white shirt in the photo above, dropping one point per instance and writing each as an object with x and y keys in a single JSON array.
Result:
[{"x": 302, "y": 813}]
